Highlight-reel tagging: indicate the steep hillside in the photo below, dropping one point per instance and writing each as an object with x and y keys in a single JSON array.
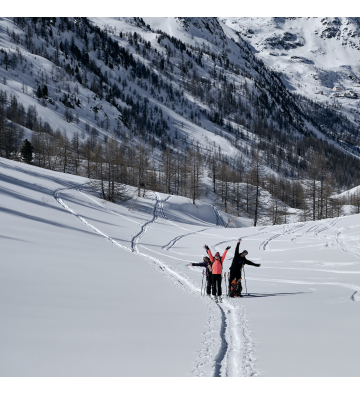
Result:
[
  {"x": 314, "y": 55},
  {"x": 177, "y": 98}
]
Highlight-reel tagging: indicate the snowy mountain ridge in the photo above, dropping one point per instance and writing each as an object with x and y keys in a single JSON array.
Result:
[
  {"x": 193, "y": 31},
  {"x": 314, "y": 55},
  {"x": 183, "y": 85}
]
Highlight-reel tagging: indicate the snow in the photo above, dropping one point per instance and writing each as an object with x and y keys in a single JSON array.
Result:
[
  {"x": 75, "y": 305},
  {"x": 331, "y": 60},
  {"x": 91, "y": 288}
]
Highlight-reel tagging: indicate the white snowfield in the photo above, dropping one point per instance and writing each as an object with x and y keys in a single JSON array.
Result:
[{"x": 90, "y": 288}]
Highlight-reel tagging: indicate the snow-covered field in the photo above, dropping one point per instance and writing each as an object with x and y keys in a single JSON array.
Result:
[{"x": 90, "y": 288}]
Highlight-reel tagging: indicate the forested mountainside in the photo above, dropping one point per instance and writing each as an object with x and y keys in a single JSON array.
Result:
[
  {"x": 316, "y": 57},
  {"x": 173, "y": 105}
]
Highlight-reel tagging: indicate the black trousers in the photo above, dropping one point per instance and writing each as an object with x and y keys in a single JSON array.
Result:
[
  {"x": 216, "y": 284},
  {"x": 232, "y": 276},
  {"x": 209, "y": 283}
]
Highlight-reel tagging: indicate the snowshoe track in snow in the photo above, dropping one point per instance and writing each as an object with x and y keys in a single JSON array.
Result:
[
  {"x": 235, "y": 347},
  {"x": 144, "y": 228}
]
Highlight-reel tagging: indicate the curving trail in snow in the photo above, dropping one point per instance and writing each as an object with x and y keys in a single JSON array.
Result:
[
  {"x": 143, "y": 229},
  {"x": 353, "y": 287},
  {"x": 83, "y": 220},
  {"x": 229, "y": 354},
  {"x": 219, "y": 219},
  {"x": 228, "y": 348},
  {"x": 172, "y": 242},
  {"x": 314, "y": 232},
  {"x": 236, "y": 351}
]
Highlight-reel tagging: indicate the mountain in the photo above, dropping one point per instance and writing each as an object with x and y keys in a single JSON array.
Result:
[
  {"x": 182, "y": 99},
  {"x": 313, "y": 55}
]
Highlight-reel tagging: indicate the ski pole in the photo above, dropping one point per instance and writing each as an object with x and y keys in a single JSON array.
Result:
[
  {"x": 245, "y": 280},
  {"x": 202, "y": 282},
  {"x": 228, "y": 279},
  {"x": 222, "y": 278},
  {"x": 225, "y": 283},
  {"x": 206, "y": 282},
  {"x": 229, "y": 284}
]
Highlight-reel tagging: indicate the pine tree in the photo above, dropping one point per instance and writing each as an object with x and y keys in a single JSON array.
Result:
[
  {"x": 196, "y": 189},
  {"x": 6, "y": 60},
  {"x": 39, "y": 92},
  {"x": 27, "y": 152},
  {"x": 45, "y": 91}
]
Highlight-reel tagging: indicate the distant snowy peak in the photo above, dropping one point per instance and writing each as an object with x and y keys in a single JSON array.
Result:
[
  {"x": 345, "y": 29},
  {"x": 204, "y": 25},
  {"x": 284, "y": 40},
  {"x": 288, "y": 33}
]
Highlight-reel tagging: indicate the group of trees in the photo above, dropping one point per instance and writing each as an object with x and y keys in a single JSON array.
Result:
[
  {"x": 256, "y": 192},
  {"x": 11, "y": 136},
  {"x": 240, "y": 189},
  {"x": 245, "y": 102},
  {"x": 258, "y": 101}
]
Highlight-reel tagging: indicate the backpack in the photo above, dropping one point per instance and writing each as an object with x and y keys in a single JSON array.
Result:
[{"x": 235, "y": 289}]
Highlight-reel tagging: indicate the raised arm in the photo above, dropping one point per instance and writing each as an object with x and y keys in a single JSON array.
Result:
[
  {"x": 198, "y": 264},
  {"x": 209, "y": 253},
  {"x": 247, "y": 262},
  {"x": 223, "y": 256},
  {"x": 237, "y": 249}
]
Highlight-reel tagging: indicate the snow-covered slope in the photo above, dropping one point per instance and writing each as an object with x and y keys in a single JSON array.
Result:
[
  {"x": 314, "y": 55},
  {"x": 177, "y": 82},
  {"x": 90, "y": 288}
]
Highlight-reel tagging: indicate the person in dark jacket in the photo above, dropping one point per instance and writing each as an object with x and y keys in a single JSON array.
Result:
[
  {"x": 238, "y": 263},
  {"x": 206, "y": 263}
]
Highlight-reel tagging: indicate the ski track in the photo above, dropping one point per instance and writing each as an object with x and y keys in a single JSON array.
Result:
[
  {"x": 354, "y": 297},
  {"x": 219, "y": 220},
  {"x": 172, "y": 242},
  {"x": 313, "y": 270},
  {"x": 232, "y": 344},
  {"x": 213, "y": 246},
  {"x": 315, "y": 229},
  {"x": 264, "y": 244},
  {"x": 235, "y": 341},
  {"x": 339, "y": 240},
  {"x": 143, "y": 229},
  {"x": 291, "y": 230},
  {"x": 223, "y": 347},
  {"x": 353, "y": 287},
  {"x": 81, "y": 219}
]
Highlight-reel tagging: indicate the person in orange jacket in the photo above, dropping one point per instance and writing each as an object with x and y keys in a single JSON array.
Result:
[{"x": 217, "y": 265}]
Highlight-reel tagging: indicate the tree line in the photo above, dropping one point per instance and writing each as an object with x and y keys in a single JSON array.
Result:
[
  {"x": 240, "y": 187},
  {"x": 257, "y": 114},
  {"x": 260, "y": 103}
]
